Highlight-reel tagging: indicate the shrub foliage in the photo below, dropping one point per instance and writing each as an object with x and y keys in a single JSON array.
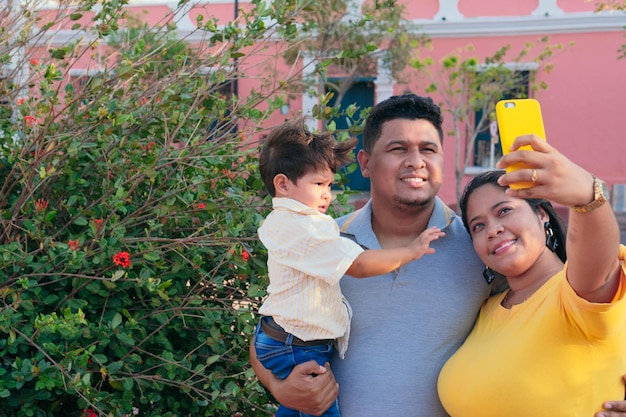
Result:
[
  {"x": 129, "y": 267},
  {"x": 129, "y": 202}
]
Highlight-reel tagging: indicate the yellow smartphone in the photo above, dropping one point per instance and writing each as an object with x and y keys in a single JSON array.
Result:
[{"x": 515, "y": 118}]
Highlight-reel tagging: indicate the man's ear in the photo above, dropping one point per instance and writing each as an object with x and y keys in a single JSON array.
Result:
[
  {"x": 281, "y": 184},
  {"x": 363, "y": 159}
]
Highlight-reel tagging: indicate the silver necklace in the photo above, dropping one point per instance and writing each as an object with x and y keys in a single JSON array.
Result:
[
  {"x": 505, "y": 300},
  {"x": 507, "y": 304}
]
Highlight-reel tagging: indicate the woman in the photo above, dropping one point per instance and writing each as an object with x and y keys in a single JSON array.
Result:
[{"x": 554, "y": 343}]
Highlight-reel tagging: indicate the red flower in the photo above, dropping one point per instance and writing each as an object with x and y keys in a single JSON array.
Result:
[
  {"x": 228, "y": 173},
  {"x": 122, "y": 259},
  {"x": 41, "y": 204},
  {"x": 34, "y": 61},
  {"x": 245, "y": 255},
  {"x": 200, "y": 206},
  {"x": 98, "y": 223},
  {"x": 20, "y": 101},
  {"x": 88, "y": 412},
  {"x": 30, "y": 120},
  {"x": 73, "y": 244}
]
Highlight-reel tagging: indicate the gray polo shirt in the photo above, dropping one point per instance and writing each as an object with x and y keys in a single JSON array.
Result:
[{"x": 406, "y": 324}]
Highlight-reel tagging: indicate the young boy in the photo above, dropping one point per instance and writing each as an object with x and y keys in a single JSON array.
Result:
[{"x": 305, "y": 316}]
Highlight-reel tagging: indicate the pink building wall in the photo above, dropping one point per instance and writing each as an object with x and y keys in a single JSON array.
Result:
[{"x": 583, "y": 106}]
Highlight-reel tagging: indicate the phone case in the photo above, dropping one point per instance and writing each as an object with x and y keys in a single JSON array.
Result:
[{"x": 515, "y": 118}]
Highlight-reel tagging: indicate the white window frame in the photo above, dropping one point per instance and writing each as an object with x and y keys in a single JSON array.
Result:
[{"x": 493, "y": 156}]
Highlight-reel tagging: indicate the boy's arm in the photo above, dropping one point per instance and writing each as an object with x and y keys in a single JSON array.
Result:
[
  {"x": 379, "y": 261},
  {"x": 310, "y": 388},
  {"x": 374, "y": 262}
]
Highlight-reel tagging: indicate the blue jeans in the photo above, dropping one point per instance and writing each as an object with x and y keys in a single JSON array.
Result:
[{"x": 282, "y": 357}]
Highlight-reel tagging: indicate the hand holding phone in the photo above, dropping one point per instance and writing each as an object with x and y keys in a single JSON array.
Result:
[{"x": 515, "y": 118}]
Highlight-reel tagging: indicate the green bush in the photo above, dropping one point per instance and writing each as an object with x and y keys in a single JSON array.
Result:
[
  {"x": 129, "y": 266},
  {"x": 130, "y": 270}
]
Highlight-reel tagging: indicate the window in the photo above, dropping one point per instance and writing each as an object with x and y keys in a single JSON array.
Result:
[
  {"x": 220, "y": 87},
  {"x": 5, "y": 110},
  {"x": 4, "y": 89},
  {"x": 78, "y": 83},
  {"x": 361, "y": 93},
  {"x": 486, "y": 147},
  {"x": 226, "y": 126}
]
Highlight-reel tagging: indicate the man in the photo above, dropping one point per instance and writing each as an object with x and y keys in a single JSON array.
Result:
[{"x": 406, "y": 323}]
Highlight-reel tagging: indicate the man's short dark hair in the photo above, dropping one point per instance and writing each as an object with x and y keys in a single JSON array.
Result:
[{"x": 407, "y": 106}]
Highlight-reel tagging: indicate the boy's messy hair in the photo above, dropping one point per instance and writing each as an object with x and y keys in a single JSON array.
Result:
[{"x": 291, "y": 149}]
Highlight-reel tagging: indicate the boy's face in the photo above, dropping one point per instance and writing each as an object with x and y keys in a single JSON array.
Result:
[{"x": 313, "y": 189}]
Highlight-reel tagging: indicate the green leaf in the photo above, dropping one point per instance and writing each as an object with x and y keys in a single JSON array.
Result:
[
  {"x": 58, "y": 53},
  {"x": 86, "y": 378},
  {"x": 125, "y": 338},
  {"x": 51, "y": 299},
  {"x": 116, "y": 384},
  {"x": 50, "y": 215},
  {"x": 116, "y": 321},
  {"x": 117, "y": 275},
  {"x": 212, "y": 359},
  {"x": 81, "y": 221},
  {"x": 27, "y": 305},
  {"x": 151, "y": 256},
  {"x": 128, "y": 384},
  {"x": 77, "y": 303},
  {"x": 100, "y": 359}
]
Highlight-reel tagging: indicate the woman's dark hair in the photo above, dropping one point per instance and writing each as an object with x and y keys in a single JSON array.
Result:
[{"x": 491, "y": 178}]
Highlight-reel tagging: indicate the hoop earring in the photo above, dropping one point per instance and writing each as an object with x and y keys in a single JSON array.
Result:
[
  {"x": 489, "y": 275},
  {"x": 551, "y": 241}
]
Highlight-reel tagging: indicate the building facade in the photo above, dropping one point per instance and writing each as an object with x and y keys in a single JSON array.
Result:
[{"x": 583, "y": 105}]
